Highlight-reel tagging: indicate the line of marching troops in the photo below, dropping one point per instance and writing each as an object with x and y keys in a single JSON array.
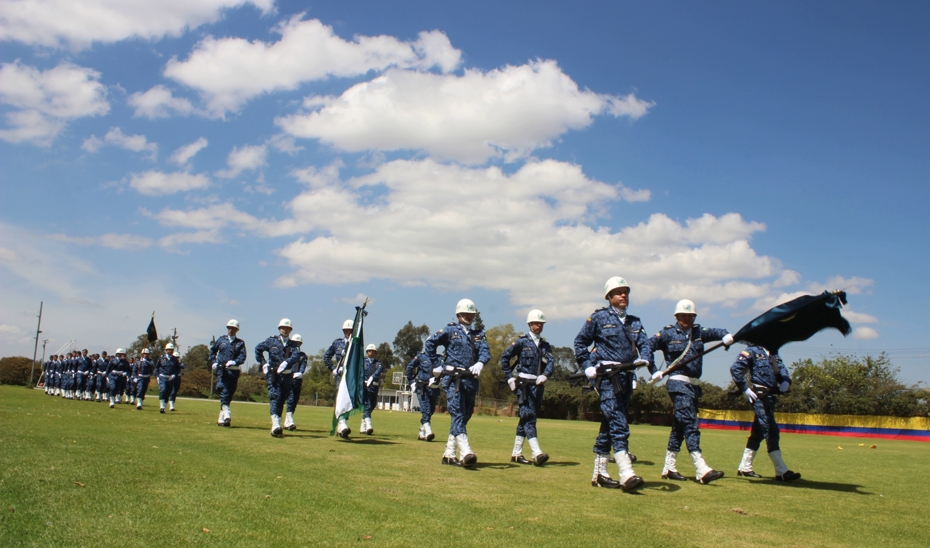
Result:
[
  {"x": 610, "y": 338},
  {"x": 115, "y": 379}
]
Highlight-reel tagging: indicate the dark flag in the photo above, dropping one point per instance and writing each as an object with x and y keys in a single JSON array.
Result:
[
  {"x": 796, "y": 320},
  {"x": 152, "y": 333}
]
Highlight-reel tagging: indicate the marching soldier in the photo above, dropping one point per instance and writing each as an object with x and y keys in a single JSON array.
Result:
[
  {"x": 333, "y": 360},
  {"x": 534, "y": 366},
  {"x": 769, "y": 376},
  {"x": 227, "y": 355},
  {"x": 372, "y": 381},
  {"x": 466, "y": 352},
  {"x": 298, "y": 361},
  {"x": 277, "y": 370},
  {"x": 619, "y": 338},
  {"x": 118, "y": 368},
  {"x": 419, "y": 374},
  {"x": 103, "y": 389},
  {"x": 679, "y": 341},
  {"x": 167, "y": 370},
  {"x": 145, "y": 368}
]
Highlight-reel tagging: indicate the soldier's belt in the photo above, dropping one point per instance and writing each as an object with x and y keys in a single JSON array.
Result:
[
  {"x": 232, "y": 368},
  {"x": 145, "y": 376},
  {"x": 683, "y": 378}
]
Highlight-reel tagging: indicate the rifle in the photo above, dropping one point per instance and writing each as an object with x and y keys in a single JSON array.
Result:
[
  {"x": 604, "y": 371},
  {"x": 685, "y": 362},
  {"x": 457, "y": 374},
  {"x": 761, "y": 391},
  {"x": 520, "y": 383}
]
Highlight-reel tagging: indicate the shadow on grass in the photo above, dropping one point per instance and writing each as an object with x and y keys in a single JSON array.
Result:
[
  {"x": 492, "y": 465},
  {"x": 566, "y": 463},
  {"x": 370, "y": 441},
  {"x": 663, "y": 486},
  {"x": 816, "y": 485}
]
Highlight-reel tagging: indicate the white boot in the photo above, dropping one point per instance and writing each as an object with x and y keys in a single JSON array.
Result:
[
  {"x": 517, "y": 447},
  {"x": 369, "y": 428},
  {"x": 363, "y": 426},
  {"x": 671, "y": 464},
  {"x": 172, "y": 405},
  {"x": 601, "y": 478},
  {"x": 221, "y": 418},
  {"x": 449, "y": 456},
  {"x": 468, "y": 457},
  {"x": 781, "y": 469},
  {"x": 703, "y": 473},
  {"x": 112, "y": 403},
  {"x": 539, "y": 458},
  {"x": 138, "y": 403},
  {"x": 289, "y": 421},
  {"x": 428, "y": 432},
  {"x": 227, "y": 415},
  {"x": 628, "y": 479},
  {"x": 342, "y": 429},
  {"x": 420, "y": 434},
  {"x": 745, "y": 465},
  {"x": 276, "y": 426}
]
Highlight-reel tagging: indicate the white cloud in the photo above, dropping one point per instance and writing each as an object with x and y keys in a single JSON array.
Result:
[
  {"x": 503, "y": 113},
  {"x": 184, "y": 154},
  {"x": 154, "y": 183},
  {"x": 858, "y": 317},
  {"x": 158, "y": 102},
  {"x": 113, "y": 241},
  {"x": 115, "y": 137},
  {"x": 45, "y": 101},
  {"x": 864, "y": 333},
  {"x": 241, "y": 159},
  {"x": 285, "y": 143},
  {"x": 230, "y": 71},
  {"x": 79, "y": 23}
]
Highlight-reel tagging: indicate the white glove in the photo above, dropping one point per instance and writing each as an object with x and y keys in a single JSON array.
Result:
[
  {"x": 437, "y": 371},
  {"x": 640, "y": 362},
  {"x": 727, "y": 340},
  {"x": 657, "y": 376},
  {"x": 214, "y": 367},
  {"x": 298, "y": 375},
  {"x": 433, "y": 383},
  {"x": 476, "y": 369},
  {"x": 282, "y": 367},
  {"x": 335, "y": 371},
  {"x": 265, "y": 368},
  {"x": 512, "y": 383},
  {"x": 230, "y": 363},
  {"x": 751, "y": 395},
  {"x": 413, "y": 386},
  {"x": 541, "y": 379},
  {"x": 368, "y": 382},
  {"x": 783, "y": 387},
  {"x": 590, "y": 372}
]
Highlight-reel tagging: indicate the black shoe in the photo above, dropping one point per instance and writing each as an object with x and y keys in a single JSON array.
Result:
[
  {"x": 605, "y": 481},
  {"x": 519, "y": 459},
  {"x": 469, "y": 460},
  {"x": 451, "y": 461},
  {"x": 277, "y": 433},
  {"x": 540, "y": 459},
  {"x": 162, "y": 410},
  {"x": 749, "y": 474},
  {"x": 292, "y": 427},
  {"x": 673, "y": 475},
  {"x": 344, "y": 434},
  {"x": 632, "y": 484},
  {"x": 710, "y": 476},
  {"x": 370, "y": 431},
  {"x": 430, "y": 436},
  {"x": 172, "y": 409},
  {"x": 111, "y": 407},
  {"x": 219, "y": 423},
  {"x": 226, "y": 422},
  {"x": 788, "y": 476},
  {"x": 633, "y": 458}
]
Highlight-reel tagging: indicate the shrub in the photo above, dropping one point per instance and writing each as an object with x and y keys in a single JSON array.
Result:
[{"x": 16, "y": 370}]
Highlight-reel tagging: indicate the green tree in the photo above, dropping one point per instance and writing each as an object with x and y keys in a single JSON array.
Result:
[
  {"x": 499, "y": 338},
  {"x": 16, "y": 370},
  {"x": 478, "y": 323},
  {"x": 197, "y": 358},
  {"x": 409, "y": 342},
  {"x": 134, "y": 350},
  {"x": 319, "y": 383}
]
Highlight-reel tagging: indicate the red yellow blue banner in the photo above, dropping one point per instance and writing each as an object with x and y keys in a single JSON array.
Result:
[{"x": 856, "y": 426}]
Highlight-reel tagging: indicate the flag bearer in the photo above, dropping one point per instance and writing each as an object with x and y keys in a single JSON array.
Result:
[
  {"x": 534, "y": 364},
  {"x": 277, "y": 371},
  {"x": 678, "y": 341},
  {"x": 619, "y": 338},
  {"x": 145, "y": 368},
  {"x": 333, "y": 360},
  {"x": 298, "y": 360},
  {"x": 466, "y": 352},
  {"x": 419, "y": 374},
  {"x": 769, "y": 376},
  {"x": 118, "y": 368},
  {"x": 227, "y": 355},
  {"x": 167, "y": 370},
  {"x": 373, "y": 370}
]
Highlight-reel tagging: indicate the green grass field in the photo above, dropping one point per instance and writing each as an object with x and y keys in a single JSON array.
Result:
[{"x": 80, "y": 474}]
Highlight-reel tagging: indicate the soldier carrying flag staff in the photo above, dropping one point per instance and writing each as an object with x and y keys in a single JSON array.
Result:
[
  {"x": 677, "y": 341},
  {"x": 534, "y": 366},
  {"x": 619, "y": 339},
  {"x": 466, "y": 352},
  {"x": 227, "y": 354},
  {"x": 334, "y": 360}
]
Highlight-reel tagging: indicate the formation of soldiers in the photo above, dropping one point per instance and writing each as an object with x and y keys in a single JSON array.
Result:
[
  {"x": 114, "y": 379},
  {"x": 610, "y": 346}
]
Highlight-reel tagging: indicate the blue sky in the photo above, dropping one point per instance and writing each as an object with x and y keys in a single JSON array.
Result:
[{"x": 211, "y": 159}]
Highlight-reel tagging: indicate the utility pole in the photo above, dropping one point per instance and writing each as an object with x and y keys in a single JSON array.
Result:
[{"x": 36, "y": 349}]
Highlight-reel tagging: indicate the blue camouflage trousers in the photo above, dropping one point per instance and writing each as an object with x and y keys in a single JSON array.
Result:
[
  {"x": 528, "y": 398},
  {"x": 371, "y": 400},
  {"x": 226, "y": 383},
  {"x": 764, "y": 425},
  {"x": 461, "y": 403},
  {"x": 294, "y": 397},
  {"x": 142, "y": 386},
  {"x": 114, "y": 383},
  {"x": 279, "y": 388},
  {"x": 428, "y": 398},
  {"x": 685, "y": 424},
  {"x": 615, "y": 431},
  {"x": 81, "y": 381}
]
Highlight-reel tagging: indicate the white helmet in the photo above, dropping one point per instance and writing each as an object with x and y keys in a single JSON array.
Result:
[
  {"x": 685, "y": 306},
  {"x": 614, "y": 283},
  {"x": 535, "y": 316},
  {"x": 232, "y": 323},
  {"x": 466, "y": 306},
  {"x": 169, "y": 346},
  {"x": 120, "y": 351},
  {"x": 145, "y": 350},
  {"x": 348, "y": 324},
  {"x": 371, "y": 347},
  {"x": 285, "y": 323},
  {"x": 297, "y": 338}
]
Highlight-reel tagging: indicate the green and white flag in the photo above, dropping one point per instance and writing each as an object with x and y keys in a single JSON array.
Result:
[{"x": 351, "y": 393}]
